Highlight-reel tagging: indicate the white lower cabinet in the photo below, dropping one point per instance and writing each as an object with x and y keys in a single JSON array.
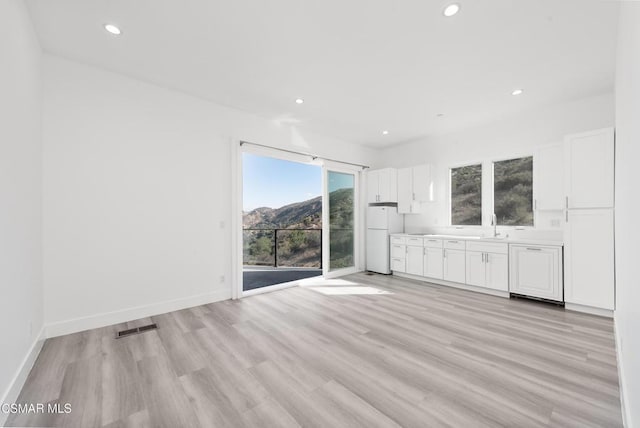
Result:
[
  {"x": 497, "y": 271},
  {"x": 489, "y": 270},
  {"x": 397, "y": 265},
  {"x": 488, "y": 265},
  {"x": 414, "y": 260},
  {"x": 398, "y": 256},
  {"x": 454, "y": 265},
  {"x": 589, "y": 255},
  {"x": 536, "y": 271},
  {"x": 433, "y": 263},
  {"x": 475, "y": 269},
  {"x": 531, "y": 270}
]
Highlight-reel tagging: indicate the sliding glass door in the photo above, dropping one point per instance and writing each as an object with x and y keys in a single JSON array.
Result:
[{"x": 340, "y": 215}]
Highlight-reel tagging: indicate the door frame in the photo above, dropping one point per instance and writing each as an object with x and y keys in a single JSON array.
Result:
[
  {"x": 237, "y": 288},
  {"x": 357, "y": 173},
  {"x": 238, "y": 149}
]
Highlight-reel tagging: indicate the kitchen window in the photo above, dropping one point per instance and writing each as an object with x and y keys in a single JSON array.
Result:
[
  {"x": 513, "y": 191},
  {"x": 466, "y": 195}
]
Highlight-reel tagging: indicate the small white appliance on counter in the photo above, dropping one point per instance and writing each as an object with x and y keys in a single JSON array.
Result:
[{"x": 382, "y": 220}]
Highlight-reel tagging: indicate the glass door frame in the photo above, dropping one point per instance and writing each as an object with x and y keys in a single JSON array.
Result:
[
  {"x": 328, "y": 166},
  {"x": 237, "y": 251},
  {"x": 237, "y": 149}
]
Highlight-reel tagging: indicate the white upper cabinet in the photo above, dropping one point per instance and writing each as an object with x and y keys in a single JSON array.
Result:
[
  {"x": 589, "y": 169},
  {"x": 414, "y": 186},
  {"x": 382, "y": 185},
  {"x": 548, "y": 182},
  {"x": 405, "y": 190},
  {"x": 421, "y": 175}
]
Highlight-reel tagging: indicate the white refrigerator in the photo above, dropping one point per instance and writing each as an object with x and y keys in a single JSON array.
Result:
[{"x": 382, "y": 220}]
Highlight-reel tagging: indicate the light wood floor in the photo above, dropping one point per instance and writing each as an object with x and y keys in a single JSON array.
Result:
[{"x": 422, "y": 356}]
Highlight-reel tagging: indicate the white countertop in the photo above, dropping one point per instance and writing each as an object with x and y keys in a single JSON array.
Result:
[{"x": 524, "y": 241}]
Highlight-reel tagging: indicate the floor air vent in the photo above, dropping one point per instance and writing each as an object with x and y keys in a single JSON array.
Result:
[{"x": 131, "y": 331}]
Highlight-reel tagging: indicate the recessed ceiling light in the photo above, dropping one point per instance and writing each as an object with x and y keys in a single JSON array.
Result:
[
  {"x": 112, "y": 29},
  {"x": 451, "y": 10},
  {"x": 440, "y": 114},
  {"x": 517, "y": 92},
  {"x": 385, "y": 132},
  {"x": 299, "y": 100}
]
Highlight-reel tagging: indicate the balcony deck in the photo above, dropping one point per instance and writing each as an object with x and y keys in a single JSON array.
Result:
[{"x": 263, "y": 276}]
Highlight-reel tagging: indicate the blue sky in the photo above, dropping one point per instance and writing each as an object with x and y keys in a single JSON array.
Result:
[
  {"x": 339, "y": 180},
  {"x": 270, "y": 182}
]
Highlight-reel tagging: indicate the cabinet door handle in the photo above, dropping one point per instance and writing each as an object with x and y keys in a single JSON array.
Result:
[
  {"x": 534, "y": 249},
  {"x": 482, "y": 257},
  {"x": 424, "y": 251},
  {"x": 535, "y": 204},
  {"x": 486, "y": 259},
  {"x": 566, "y": 216},
  {"x": 413, "y": 196},
  {"x": 566, "y": 202},
  {"x": 453, "y": 242}
]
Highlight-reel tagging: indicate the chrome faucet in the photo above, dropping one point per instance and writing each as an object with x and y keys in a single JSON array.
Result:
[{"x": 494, "y": 223}]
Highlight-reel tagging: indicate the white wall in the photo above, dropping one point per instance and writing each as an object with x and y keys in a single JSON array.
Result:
[
  {"x": 137, "y": 196},
  {"x": 20, "y": 193},
  {"x": 516, "y": 136},
  {"x": 627, "y": 314}
]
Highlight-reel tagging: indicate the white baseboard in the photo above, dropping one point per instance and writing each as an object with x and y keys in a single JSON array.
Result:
[
  {"x": 588, "y": 310},
  {"x": 626, "y": 417},
  {"x": 109, "y": 318},
  {"x": 454, "y": 284},
  {"x": 14, "y": 388}
]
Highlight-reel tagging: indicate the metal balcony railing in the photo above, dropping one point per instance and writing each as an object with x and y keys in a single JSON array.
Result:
[{"x": 282, "y": 247}]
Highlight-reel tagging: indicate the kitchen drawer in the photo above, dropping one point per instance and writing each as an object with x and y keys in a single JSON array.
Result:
[
  {"x": 397, "y": 265},
  {"x": 488, "y": 247},
  {"x": 414, "y": 241},
  {"x": 398, "y": 251},
  {"x": 432, "y": 243},
  {"x": 398, "y": 240},
  {"x": 454, "y": 244}
]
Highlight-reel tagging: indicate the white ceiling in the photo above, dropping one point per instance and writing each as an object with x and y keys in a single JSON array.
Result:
[{"x": 362, "y": 66}]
